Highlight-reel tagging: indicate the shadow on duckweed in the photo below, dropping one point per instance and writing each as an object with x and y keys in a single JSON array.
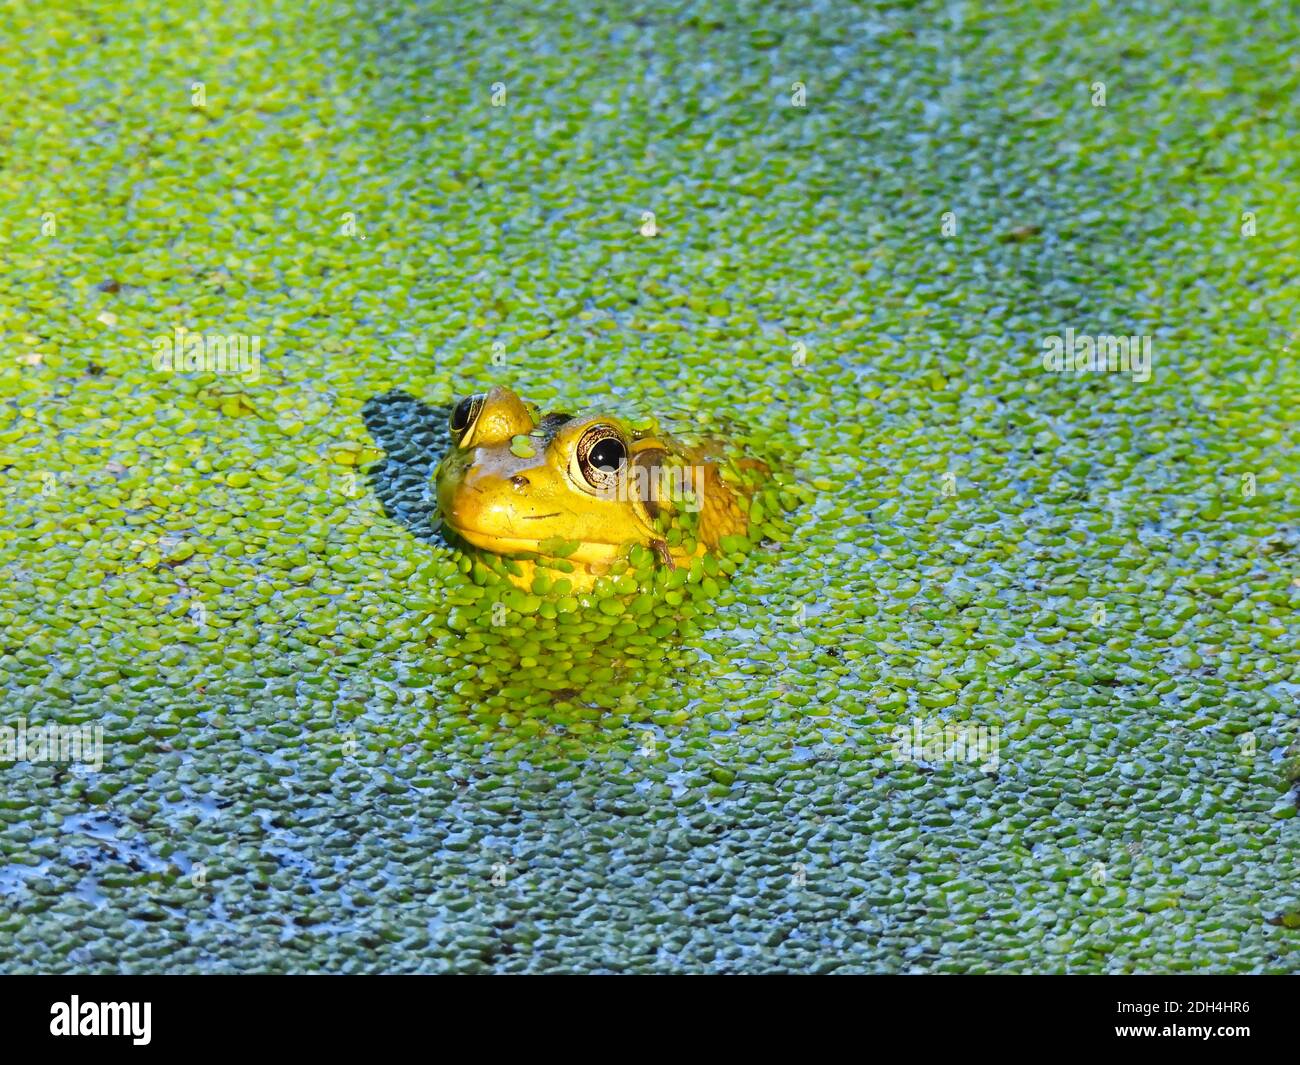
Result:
[
  {"x": 413, "y": 436},
  {"x": 564, "y": 679}
]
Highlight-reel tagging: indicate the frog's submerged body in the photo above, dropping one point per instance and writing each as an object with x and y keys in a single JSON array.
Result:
[{"x": 586, "y": 488}]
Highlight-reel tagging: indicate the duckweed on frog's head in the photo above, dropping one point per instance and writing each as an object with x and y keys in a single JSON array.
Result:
[{"x": 585, "y": 494}]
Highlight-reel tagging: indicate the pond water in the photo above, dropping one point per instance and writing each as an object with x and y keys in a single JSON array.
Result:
[{"x": 319, "y": 751}]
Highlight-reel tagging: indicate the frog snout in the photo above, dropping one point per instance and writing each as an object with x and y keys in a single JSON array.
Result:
[{"x": 486, "y": 504}]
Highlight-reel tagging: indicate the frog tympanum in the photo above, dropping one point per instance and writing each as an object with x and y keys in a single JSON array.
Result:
[{"x": 577, "y": 493}]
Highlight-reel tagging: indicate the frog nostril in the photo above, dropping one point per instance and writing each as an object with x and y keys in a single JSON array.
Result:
[{"x": 519, "y": 481}]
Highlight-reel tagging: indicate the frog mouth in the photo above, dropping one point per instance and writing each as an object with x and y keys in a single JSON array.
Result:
[
  {"x": 502, "y": 544},
  {"x": 494, "y": 535},
  {"x": 495, "y": 542}
]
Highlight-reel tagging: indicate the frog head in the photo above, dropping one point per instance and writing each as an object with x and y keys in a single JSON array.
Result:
[{"x": 516, "y": 481}]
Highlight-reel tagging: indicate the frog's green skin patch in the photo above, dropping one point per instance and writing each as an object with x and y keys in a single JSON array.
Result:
[{"x": 329, "y": 745}]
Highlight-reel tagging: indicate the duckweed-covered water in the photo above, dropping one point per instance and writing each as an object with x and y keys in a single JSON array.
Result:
[{"x": 328, "y": 747}]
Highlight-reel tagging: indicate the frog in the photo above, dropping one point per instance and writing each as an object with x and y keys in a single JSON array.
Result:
[{"x": 579, "y": 492}]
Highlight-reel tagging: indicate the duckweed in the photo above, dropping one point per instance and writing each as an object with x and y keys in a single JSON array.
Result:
[{"x": 335, "y": 740}]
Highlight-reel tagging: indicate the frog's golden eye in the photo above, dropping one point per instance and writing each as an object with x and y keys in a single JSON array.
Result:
[
  {"x": 601, "y": 454},
  {"x": 465, "y": 414}
]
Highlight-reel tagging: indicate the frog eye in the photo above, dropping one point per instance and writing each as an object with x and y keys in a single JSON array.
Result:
[
  {"x": 465, "y": 413},
  {"x": 601, "y": 455}
]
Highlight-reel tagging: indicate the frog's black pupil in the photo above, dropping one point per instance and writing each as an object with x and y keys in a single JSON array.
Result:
[
  {"x": 460, "y": 416},
  {"x": 608, "y": 454}
]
